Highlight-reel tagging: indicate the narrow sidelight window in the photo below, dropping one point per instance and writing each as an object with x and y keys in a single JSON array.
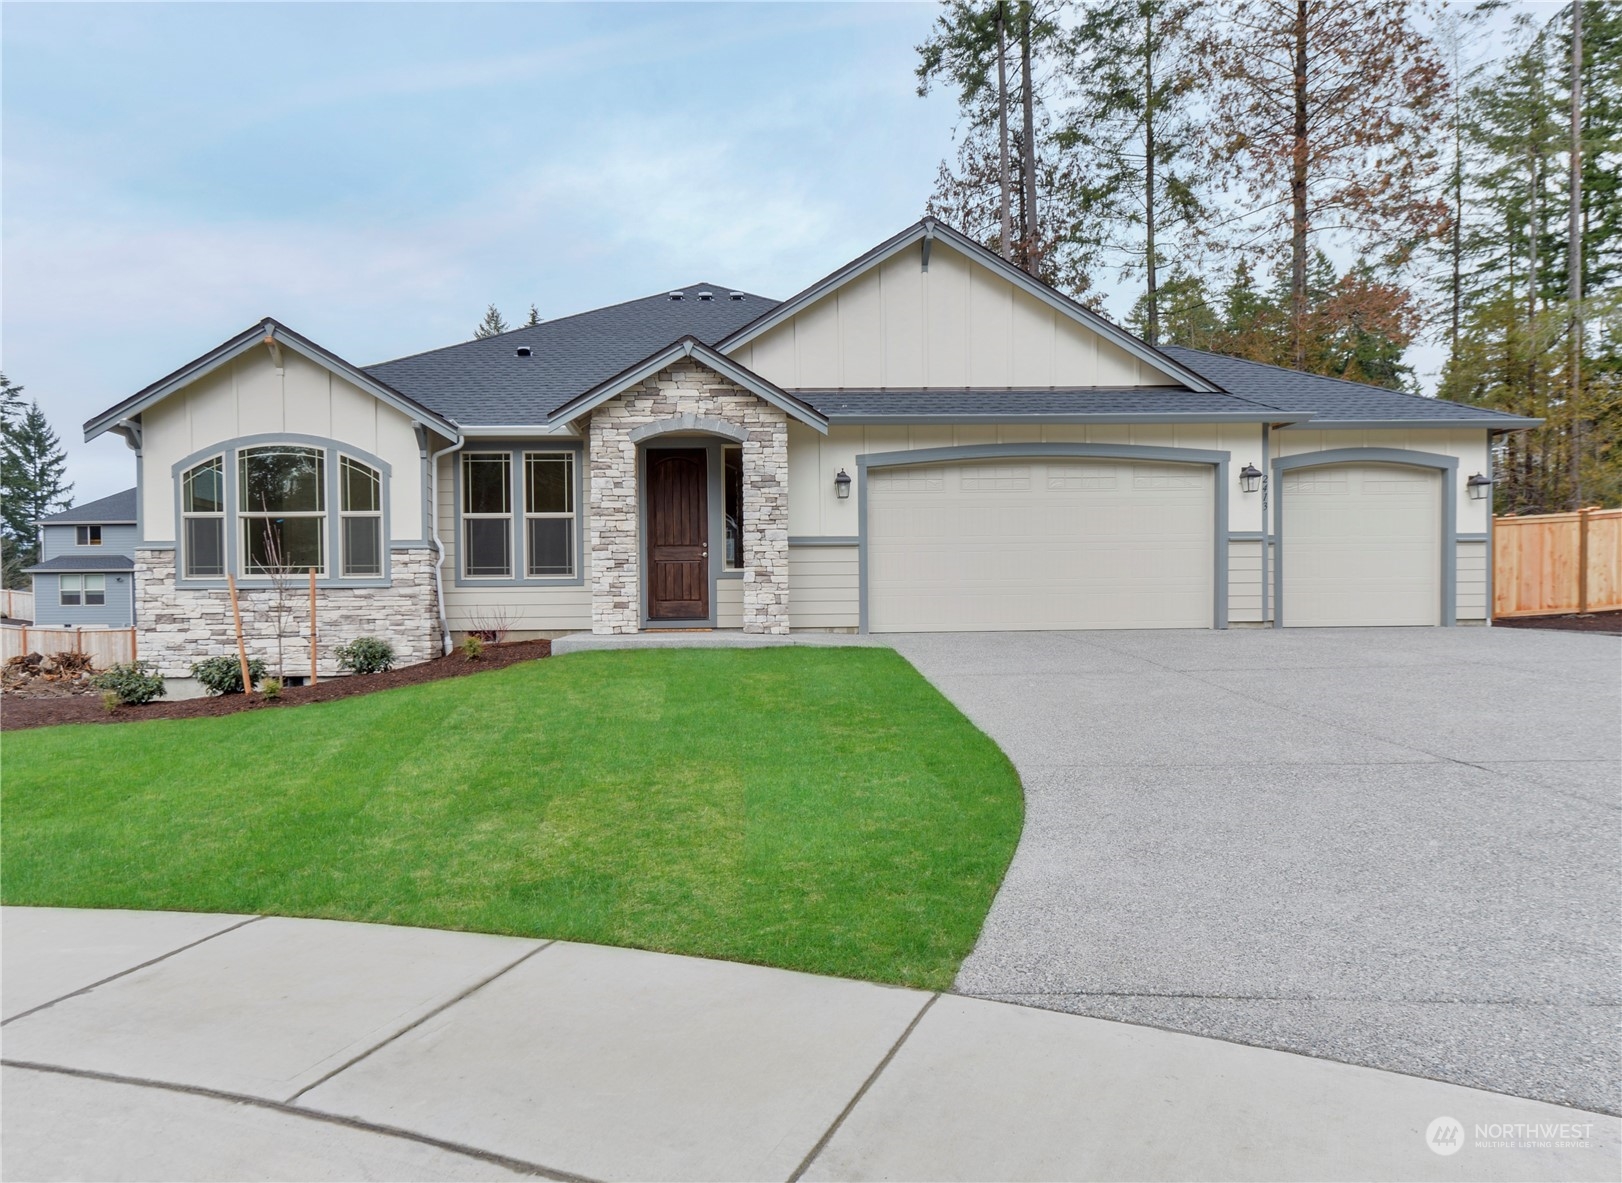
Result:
[
  {"x": 88, "y": 536},
  {"x": 733, "y": 466},
  {"x": 549, "y": 517},
  {"x": 282, "y": 506},
  {"x": 487, "y": 515},
  {"x": 360, "y": 514},
  {"x": 202, "y": 511}
]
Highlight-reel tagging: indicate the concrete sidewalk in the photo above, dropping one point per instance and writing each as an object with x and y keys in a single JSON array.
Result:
[{"x": 144, "y": 1045}]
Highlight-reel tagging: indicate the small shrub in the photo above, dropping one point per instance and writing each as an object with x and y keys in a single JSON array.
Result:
[
  {"x": 366, "y": 655},
  {"x": 109, "y": 701},
  {"x": 223, "y": 675},
  {"x": 271, "y": 687},
  {"x": 133, "y": 683},
  {"x": 472, "y": 647}
]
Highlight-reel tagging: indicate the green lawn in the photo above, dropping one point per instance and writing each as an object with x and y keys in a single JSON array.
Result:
[{"x": 820, "y": 809}]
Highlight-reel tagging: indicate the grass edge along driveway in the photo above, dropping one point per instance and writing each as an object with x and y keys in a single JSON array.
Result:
[{"x": 824, "y": 810}]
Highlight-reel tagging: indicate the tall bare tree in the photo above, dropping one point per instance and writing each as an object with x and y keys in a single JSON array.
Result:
[{"x": 1321, "y": 118}]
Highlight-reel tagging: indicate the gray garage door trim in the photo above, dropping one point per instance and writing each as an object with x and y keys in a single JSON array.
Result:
[
  {"x": 1056, "y": 451},
  {"x": 1449, "y": 469}
]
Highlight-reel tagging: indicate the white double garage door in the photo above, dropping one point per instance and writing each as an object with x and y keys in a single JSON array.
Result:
[{"x": 1103, "y": 543}]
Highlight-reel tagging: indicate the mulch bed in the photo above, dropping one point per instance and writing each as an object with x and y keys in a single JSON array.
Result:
[
  {"x": 17, "y": 712},
  {"x": 1609, "y": 623}
]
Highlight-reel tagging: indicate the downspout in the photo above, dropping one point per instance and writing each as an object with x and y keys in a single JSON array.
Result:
[{"x": 439, "y": 543}]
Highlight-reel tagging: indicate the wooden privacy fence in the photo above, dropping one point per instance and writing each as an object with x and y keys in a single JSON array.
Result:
[
  {"x": 16, "y": 605},
  {"x": 106, "y": 646},
  {"x": 1552, "y": 563}
]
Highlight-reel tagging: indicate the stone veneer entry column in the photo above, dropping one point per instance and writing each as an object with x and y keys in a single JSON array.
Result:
[{"x": 687, "y": 388}]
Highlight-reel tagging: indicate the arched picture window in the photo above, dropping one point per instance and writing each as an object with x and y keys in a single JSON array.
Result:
[
  {"x": 281, "y": 503},
  {"x": 360, "y": 513},
  {"x": 202, "y": 511}
]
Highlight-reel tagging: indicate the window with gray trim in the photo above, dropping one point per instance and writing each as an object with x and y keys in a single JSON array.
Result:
[
  {"x": 202, "y": 511},
  {"x": 87, "y": 536},
  {"x": 549, "y": 514},
  {"x": 282, "y": 506},
  {"x": 487, "y": 515},
  {"x": 360, "y": 518},
  {"x": 90, "y": 590}
]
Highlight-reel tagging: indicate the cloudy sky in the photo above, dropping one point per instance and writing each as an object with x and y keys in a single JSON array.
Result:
[{"x": 374, "y": 175}]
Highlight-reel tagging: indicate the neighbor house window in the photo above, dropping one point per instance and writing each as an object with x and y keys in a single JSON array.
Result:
[
  {"x": 88, "y": 535},
  {"x": 487, "y": 515},
  {"x": 282, "y": 505},
  {"x": 90, "y": 590},
  {"x": 360, "y": 513},
  {"x": 549, "y": 513},
  {"x": 202, "y": 510},
  {"x": 732, "y": 467}
]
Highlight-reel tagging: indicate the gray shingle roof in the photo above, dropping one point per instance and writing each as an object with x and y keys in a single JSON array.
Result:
[
  {"x": 1333, "y": 400},
  {"x": 118, "y": 507},
  {"x": 106, "y": 562},
  {"x": 1044, "y": 403},
  {"x": 484, "y": 383}
]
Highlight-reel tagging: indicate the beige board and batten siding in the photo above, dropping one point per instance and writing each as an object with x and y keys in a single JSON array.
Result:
[
  {"x": 1388, "y": 571},
  {"x": 958, "y": 324},
  {"x": 536, "y": 609},
  {"x": 250, "y": 396}
]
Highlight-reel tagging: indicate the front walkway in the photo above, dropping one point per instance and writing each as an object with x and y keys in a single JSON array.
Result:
[{"x": 142, "y": 1045}]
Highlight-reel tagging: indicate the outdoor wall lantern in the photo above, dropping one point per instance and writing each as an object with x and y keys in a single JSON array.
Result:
[
  {"x": 842, "y": 485},
  {"x": 1250, "y": 478},
  {"x": 1479, "y": 487}
]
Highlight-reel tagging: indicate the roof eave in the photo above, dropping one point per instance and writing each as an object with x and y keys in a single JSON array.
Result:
[
  {"x": 864, "y": 419},
  {"x": 1498, "y": 423}
]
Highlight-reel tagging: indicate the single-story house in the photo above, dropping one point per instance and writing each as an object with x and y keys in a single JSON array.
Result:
[
  {"x": 925, "y": 439},
  {"x": 85, "y": 577}
]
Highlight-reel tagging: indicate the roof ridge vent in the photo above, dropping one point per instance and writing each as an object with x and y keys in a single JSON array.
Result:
[
  {"x": 677, "y": 295},
  {"x": 706, "y": 295},
  {"x": 734, "y": 295},
  {"x": 523, "y": 351}
]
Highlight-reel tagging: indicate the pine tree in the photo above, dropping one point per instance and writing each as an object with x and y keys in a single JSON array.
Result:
[
  {"x": 33, "y": 468},
  {"x": 534, "y": 317},
  {"x": 491, "y": 325},
  {"x": 1131, "y": 130},
  {"x": 11, "y": 404}
]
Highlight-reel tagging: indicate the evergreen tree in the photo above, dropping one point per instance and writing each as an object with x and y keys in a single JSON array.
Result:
[
  {"x": 11, "y": 404},
  {"x": 33, "y": 468},
  {"x": 491, "y": 325},
  {"x": 534, "y": 317}
]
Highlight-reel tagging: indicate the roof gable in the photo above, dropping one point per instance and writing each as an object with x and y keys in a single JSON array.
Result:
[
  {"x": 1012, "y": 320},
  {"x": 117, "y": 509},
  {"x": 273, "y": 335}
]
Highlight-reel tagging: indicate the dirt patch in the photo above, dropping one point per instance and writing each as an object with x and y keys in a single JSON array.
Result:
[
  {"x": 18, "y": 712},
  {"x": 1609, "y": 623}
]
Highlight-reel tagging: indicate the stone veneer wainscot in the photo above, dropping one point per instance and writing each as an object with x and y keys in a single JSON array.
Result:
[
  {"x": 180, "y": 625},
  {"x": 687, "y": 388}
]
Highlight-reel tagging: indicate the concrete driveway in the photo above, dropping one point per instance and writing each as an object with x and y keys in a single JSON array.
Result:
[{"x": 1391, "y": 847}]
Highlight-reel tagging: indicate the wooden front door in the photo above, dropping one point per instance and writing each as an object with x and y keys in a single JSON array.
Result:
[{"x": 678, "y": 534}]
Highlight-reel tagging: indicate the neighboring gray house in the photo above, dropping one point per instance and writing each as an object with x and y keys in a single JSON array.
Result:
[{"x": 85, "y": 577}]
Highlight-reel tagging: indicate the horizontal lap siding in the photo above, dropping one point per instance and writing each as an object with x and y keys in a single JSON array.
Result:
[
  {"x": 542, "y": 608},
  {"x": 823, "y": 587},
  {"x": 1244, "y": 581},
  {"x": 729, "y": 603},
  {"x": 1472, "y": 581}
]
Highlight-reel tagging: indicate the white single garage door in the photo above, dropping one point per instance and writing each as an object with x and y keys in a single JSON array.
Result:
[
  {"x": 1362, "y": 544},
  {"x": 1049, "y": 544}
]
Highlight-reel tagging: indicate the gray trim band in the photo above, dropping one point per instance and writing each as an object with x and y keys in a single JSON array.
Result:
[
  {"x": 996, "y": 416},
  {"x": 1448, "y": 466},
  {"x": 1502, "y": 423},
  {"x": 1472, "y": 537},
  {"x": 1057, "y": 451},
  {"x": 824, "y": 540}
]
